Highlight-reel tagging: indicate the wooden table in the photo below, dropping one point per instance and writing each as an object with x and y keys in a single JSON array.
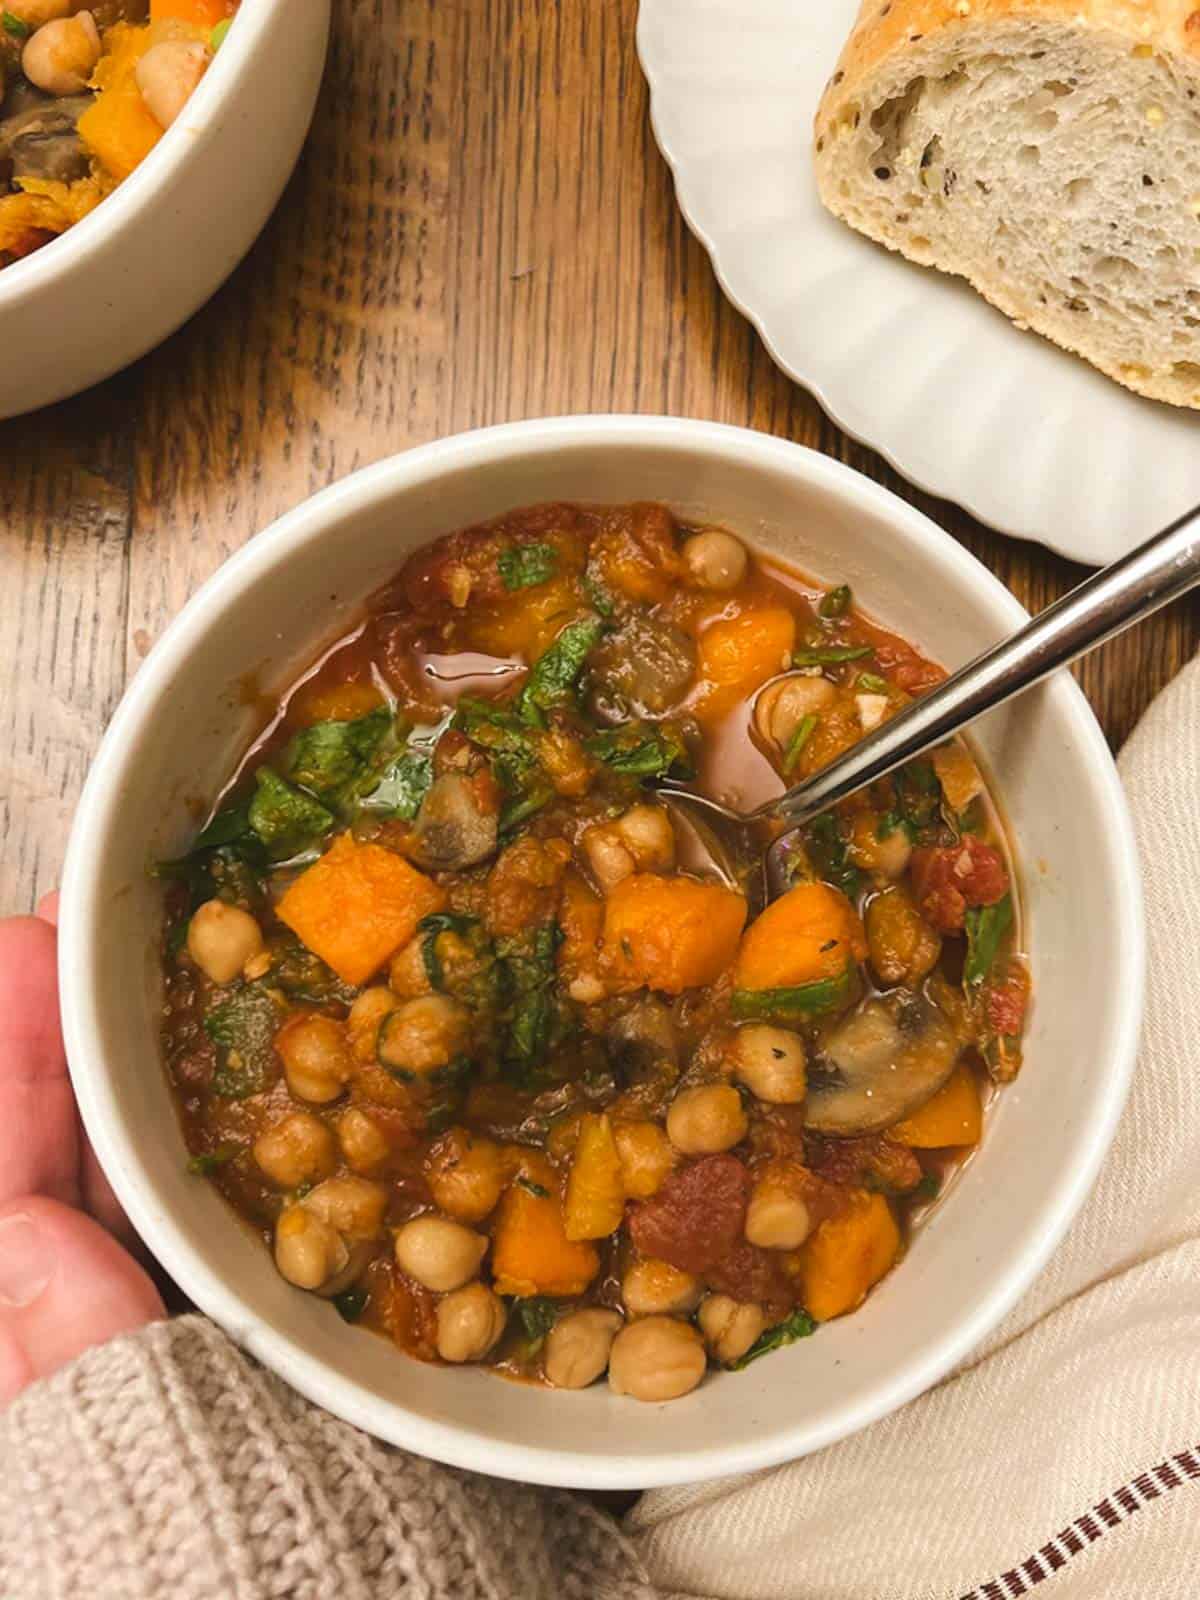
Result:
[{"x": 481, "y": 229}]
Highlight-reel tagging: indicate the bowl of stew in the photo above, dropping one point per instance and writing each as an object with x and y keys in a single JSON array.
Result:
[
  {"x": 143, "y": 144},
  {"x": 469, "y": 1082}
]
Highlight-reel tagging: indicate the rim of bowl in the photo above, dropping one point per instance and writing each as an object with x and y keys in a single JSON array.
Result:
[
  {"x": 158, "y": 171},
  {"x": 98, "y": 813}
]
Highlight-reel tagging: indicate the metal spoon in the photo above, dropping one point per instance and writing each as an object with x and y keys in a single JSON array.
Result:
[{"x": 1107, "y": 603}]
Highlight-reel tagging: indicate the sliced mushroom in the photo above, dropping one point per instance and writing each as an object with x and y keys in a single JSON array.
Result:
[
  {"x": 453, "y": 829},
  {"x": 878, "y": 1065},
  {"x": 645, "y": 667},
  {"x": 643, "y": 1041},
  {"x": 42, "y": 140}
]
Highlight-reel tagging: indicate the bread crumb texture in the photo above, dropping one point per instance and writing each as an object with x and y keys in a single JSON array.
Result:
[{"x": 1048, "y": 153}]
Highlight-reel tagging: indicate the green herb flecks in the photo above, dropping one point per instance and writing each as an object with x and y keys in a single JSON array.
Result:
[
  {"x": 243, "y": 1029},
  {"x": 801, "y": 1000},
  {"x": 892, "y": 820},
  {"x": 798, "y": 1326},
  {"x": 836, "y": 602},
  {"x": 827, "y": 852},
  {"x": 330, "y": 759},
  {"x": 871, "y": 683},
  {"x": 527, "y": 565},
  {"x": 795, "y": 745},
  {"x": 14, "y": 26},
  {"x": 640, "y": 750},
  {"x": 288, "y": 821},
  {"x": 831, "y": 655},
  {"x": 554, "y": 676},
  {"x": 986, "y": 927},
  {"x": 351, "y": 1304},
  {"x": 537, "y": 1190},
  {"x": 210, "y": 1161}
]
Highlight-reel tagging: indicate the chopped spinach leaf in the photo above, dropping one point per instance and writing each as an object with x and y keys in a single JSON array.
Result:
[
  {"x": 15, "y": 26},
  {"x": 836, "y": 602},
  {"x": 803, "y": 999},
  {"x": 304, "y": 976},
  {"x": 243, "y": 1029},
  {"x": 918, "y": 794},
  {"x": 351, "y": 1304},
  {"x": 827, "y": 851},
  {"x": 433, "y": 927},
  {"x": 231, "y": 825},
  {"x": 598, "y": 596},
  {"x": 287, "y": 820},
  {"x": 798, "y": 1326},
  {"x": 209, "y": 1161},
  {"x": 402, "y": 787},
  {"x": 535, "y": 1316},
  {"x": 523, "y": 806},
  {"x": 555, "y": 674},
  {"x": 640, "y": 750},
  {"x": 527, "y": 565},
  {"x": 803, "y": 733},
  {"x": 986, "y": 927},
  {"x": 537, "y": 1190},
  {"x": 893, "y": 820},
  {"x": 928, "y": 1189},
  {"x": 534, "y": 1018},
  {"x": 831, "y": 655},
  {"x": 330, "y": 758}
]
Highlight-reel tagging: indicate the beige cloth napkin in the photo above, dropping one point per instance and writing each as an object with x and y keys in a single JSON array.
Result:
[
  {"x": 1066, "y": 1453},
  {"x": 1067, "y": 1450}
]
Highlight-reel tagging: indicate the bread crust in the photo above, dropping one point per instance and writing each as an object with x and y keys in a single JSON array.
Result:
[{"x": 887, "y": 30}]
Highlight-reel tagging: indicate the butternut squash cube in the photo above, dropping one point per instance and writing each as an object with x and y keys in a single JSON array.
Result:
[
  {"x": 846, "y": 1255},
  {"x": 595, "y": 1204}
]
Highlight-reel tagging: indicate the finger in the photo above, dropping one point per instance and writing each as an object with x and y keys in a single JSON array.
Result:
[
  {"x": 39, "y": 1130},
  {"x": 65, "y": 1285},
  {"x": 48, "y": 908}
]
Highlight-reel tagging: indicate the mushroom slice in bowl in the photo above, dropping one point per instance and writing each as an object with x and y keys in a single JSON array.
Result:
[{"x": 879, "y": 1065}]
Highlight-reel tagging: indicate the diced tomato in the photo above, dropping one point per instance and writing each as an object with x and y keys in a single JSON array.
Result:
[
  {"x": 949, "y": 879},
  {"x": 872, "y": 1160},
  {"x": 747, "y": 1273},
  {"x": 697, "y": 1216},
  {"x": 1005, "y": 1002},
  {"x": 906, "y": 669}
]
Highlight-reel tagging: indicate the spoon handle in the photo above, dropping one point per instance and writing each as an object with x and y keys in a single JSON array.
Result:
[{"x": 1105, "y": 604}]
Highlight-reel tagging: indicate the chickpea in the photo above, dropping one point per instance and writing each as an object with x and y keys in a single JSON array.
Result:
[
  {"x": 364, "y": 1144},
  {"x": 366, "y": 1018},
  {"x": 647, "y": 834},
  {"x": 422, "y": 1036},
  {"x": 577, "y": 1347},
  {"x": 36, "y": 14},
  {"x": 783, "y": 705},
  {"x": 714, "y": 559},
  {"x": 221, "y": 939},
  {"x": 440, "y": 1254},
  {"x": 62, "y": 55},
  {"x": 776, "y": 1218},
  {"x": 168, "y": 73},
  {"x": 888, "y": 855},
  {"x": 729, "y": 1326},
  {"x": 465, "y": 1175},
  {"x": 351, "y": 1205},
  {"x": 705, "y": 1120},
  {"x": 646, "y": 1157},
  {"x": 408, "y": 975},
  {"x": 316, "y": 1058},
  {"x": 902, "y": 946},
  {"x": 469, "y": 1323},
  {"x": 653, "y": 1288},
  {"x": 297, "y": 1149},
  {"x": 609, "y": 859},
  {"x": 656, "y": 1358},
  {"x": 308, "y": 1251},
  {"x": 771, "y": 1063}
]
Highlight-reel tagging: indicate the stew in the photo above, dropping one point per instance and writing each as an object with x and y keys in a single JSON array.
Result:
[
  {"x": 480, "y": 1034},
  {"x": 85, "y": 95}
]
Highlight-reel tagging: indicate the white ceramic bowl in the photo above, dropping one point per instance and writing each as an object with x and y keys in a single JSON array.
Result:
[
  {"x": 183, "y": 722},
  {"x": 117, "y": 283}
]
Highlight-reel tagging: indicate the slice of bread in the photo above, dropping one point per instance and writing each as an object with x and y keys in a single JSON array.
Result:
[{"x": 1046, "y": 151}]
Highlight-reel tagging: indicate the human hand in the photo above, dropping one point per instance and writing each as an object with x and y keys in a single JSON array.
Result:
[{"x": 67, "y": 1279}]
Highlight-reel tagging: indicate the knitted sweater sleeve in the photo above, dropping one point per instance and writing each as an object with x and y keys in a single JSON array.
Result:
[{"x": 168, "y": 1466}]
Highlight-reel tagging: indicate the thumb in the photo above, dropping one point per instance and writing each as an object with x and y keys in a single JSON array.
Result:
[{"x": 65, "y": 1285}]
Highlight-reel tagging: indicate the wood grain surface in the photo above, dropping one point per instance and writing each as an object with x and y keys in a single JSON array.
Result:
[{"x": 480, "y": 229}]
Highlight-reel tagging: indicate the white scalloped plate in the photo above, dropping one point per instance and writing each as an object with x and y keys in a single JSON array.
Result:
[{"x": 907, "y": 360}]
